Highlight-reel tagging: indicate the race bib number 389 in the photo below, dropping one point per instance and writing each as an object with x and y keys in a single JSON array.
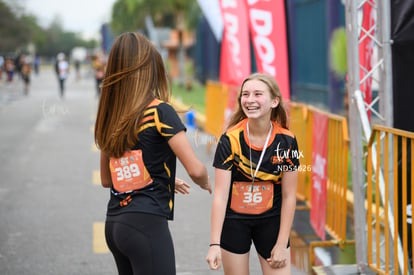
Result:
[
  {"x": 248, "y": 199},
  {"x": 128, "y": 172}
]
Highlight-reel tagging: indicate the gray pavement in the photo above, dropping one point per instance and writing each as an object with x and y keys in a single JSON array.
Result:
[{"x": 51, "y": 205}]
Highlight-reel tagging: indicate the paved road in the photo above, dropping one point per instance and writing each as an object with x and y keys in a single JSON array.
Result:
[{"x": 52, "y": 207}]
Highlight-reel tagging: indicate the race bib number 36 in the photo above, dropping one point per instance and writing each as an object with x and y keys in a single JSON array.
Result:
[
  {"x": 128, "y": 172},
  {"x": 248, "y": 199}
]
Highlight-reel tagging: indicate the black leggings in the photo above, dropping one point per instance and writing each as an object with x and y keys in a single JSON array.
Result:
[{"x": 141, "y": 244}]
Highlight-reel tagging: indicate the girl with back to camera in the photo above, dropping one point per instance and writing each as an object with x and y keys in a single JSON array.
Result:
[
  {"x": 255, "y": 183},
  {"x": 140, "y": 135}
]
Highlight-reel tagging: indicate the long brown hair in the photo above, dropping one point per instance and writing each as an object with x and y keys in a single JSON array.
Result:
[
  {"x": 134, "y": 77},
  {"x": 278, "y": 113}
]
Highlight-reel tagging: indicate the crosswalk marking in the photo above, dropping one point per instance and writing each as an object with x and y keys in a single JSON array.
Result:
[
  {"x": 98, "y": 238},
  {"x": 99, "y": 244},
  {"x": 96, "y": 177},
  {"x": 94, "y": 148}
]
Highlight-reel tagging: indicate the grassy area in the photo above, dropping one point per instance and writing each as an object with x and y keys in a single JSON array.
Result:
[{"x": 196, "y": 97}]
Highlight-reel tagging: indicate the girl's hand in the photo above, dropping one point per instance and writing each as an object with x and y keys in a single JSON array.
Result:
[
  {"x": 181, "y": 186},
  {"x": 207, "y": 186},
  {"x": 214, "y": 257},
  {"x": 278, "y": 257}
]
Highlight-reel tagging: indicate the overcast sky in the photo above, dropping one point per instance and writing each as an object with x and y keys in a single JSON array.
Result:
[{"x": 81, "y": 16}]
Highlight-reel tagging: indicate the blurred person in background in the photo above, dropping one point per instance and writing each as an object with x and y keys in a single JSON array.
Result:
[
  {"x": 36, "y": 64},
  {"x": 1, "y": 66},
  {"x": 98, "y": 64},
  {"x": 26, "y": 70},
  {"x": 62, "y": 71},
  {"x": 77, "y": 68},
  {"x": 9, "y": 67}
]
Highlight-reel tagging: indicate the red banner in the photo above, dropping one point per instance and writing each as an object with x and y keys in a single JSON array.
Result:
[
  {"x": 319, "y": 173},
  {"x": 235, "y": 60},
  {"x": 268, "y": 28},
  {"x": 366, "y": 50}
]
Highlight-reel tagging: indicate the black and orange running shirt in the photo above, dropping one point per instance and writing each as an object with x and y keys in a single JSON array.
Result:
[
  {"x": 160, "y": 123},
  {"x": 233, "y": 154}
]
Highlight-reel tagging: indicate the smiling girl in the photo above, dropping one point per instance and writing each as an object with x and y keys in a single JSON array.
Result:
[{"x": 254, "y": 199}]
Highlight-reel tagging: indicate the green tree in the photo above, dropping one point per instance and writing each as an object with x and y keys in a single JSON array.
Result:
[
  {"x": 13, "y": 31},
  {"x": 54, "y": 40},
  {"x": 129, "y": 15},
  {"x": 18, "y": 29}
]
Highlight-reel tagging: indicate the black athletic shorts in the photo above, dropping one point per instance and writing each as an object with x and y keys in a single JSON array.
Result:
[{"x": 237, "y": 235}]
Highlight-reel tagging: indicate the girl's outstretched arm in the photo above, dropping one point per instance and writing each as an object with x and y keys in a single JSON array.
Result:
[{"x": 194, "y": 167}]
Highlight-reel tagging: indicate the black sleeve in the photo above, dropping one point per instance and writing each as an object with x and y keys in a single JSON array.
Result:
[
  {"x": 168, "y": 122},
  {"x": 223, "y": 157}
]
